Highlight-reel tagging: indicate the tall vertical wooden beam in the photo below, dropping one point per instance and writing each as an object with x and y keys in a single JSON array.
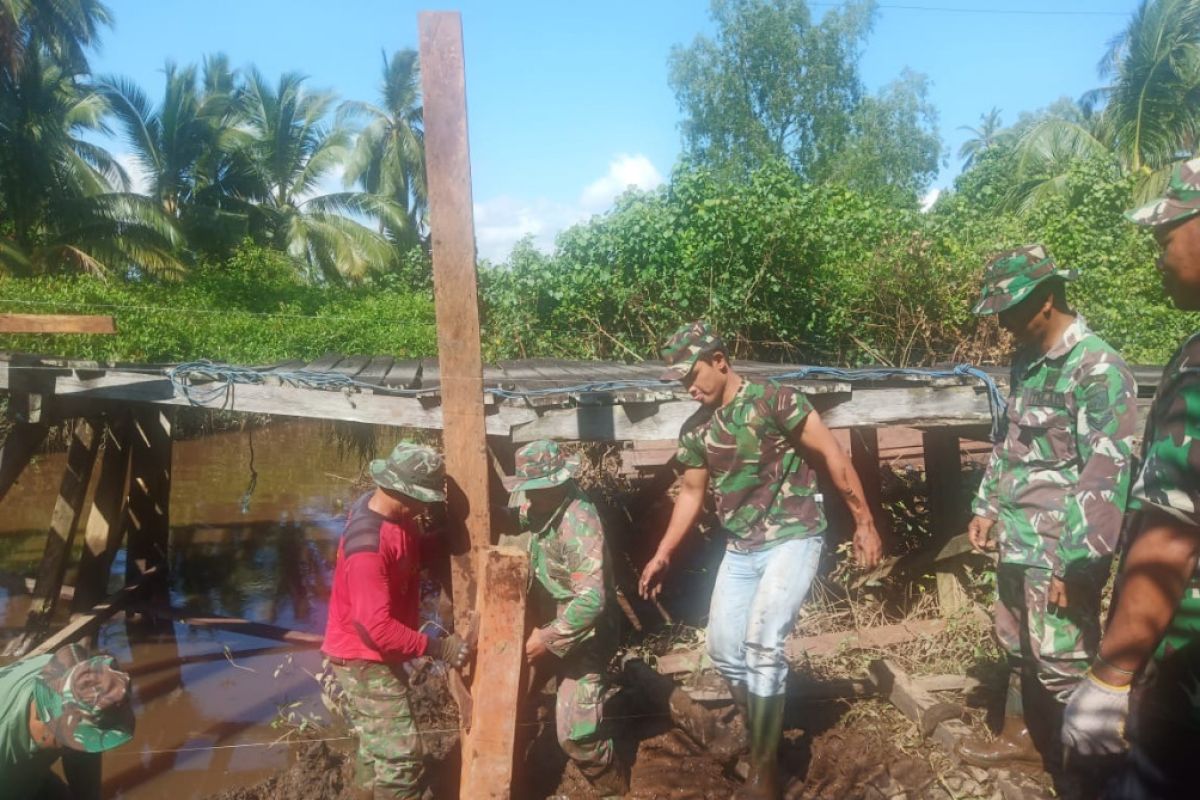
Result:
[
  {"x": 452, "y": 230},
  {"x": 105, "y": 525},
  {"x": 943, "y": 479},
  {"x": 488, "y": 748},
  {"x": 864, "y": 456},
  {"x": 81, "y": 455},
  {"x": 148, "y": 514}
]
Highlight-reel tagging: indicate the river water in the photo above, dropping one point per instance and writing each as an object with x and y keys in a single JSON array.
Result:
[{"x": 206, "y": 699}]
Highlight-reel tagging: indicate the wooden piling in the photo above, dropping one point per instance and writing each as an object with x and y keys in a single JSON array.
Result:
[
  {"x": 19, "y": 446},
  {"x": 81, "y": 455},
  {"x": 105, "y": 526},
  {"x": 149, "y": 506},
  {"x": 452, "y": 231}
]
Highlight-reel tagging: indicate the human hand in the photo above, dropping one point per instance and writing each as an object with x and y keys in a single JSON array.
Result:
[
  {"x": 868, "y": 547},
  {"x": 1057, "y": 596},
  {"x": 535, "y": 645},
  {"x": 454, "y": 650},
  {"x": 1094, "y": 720},
  {"x": 650, "y": 583},
  {"x": 979, "y": 533}
]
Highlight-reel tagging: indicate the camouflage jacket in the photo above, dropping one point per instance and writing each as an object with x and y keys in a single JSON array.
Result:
[
  {"x": 1170, "y": 475},
  {"x": 569, "y": 563},
  {"x": 1058, "y": 480},
  {"x": 765, "y": 491}
]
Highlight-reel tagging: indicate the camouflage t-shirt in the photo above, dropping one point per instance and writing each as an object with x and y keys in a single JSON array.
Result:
[
  {"x": 765, "y": 492},
  {"x": 569, "y": 563},
  {"x": 1058, "y": 480},
  {"x": 1170, "y": 476}
]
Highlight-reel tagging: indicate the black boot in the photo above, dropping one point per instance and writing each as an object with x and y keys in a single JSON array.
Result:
[{"x": 766, "y": 729}]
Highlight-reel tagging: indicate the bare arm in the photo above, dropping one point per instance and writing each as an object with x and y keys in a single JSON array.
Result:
[
  {"x": 819, "y": 448},
  {"x": 1151, "y": 583},
  {"x": 683, "y": 518}
]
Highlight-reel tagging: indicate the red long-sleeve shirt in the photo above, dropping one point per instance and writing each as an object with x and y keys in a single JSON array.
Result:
[{"x": 375, "y": 602}]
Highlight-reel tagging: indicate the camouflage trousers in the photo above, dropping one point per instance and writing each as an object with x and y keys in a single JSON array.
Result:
[
  {"x": 1055, "y": 645},
  {"x": 389, "y": 745},
  {"x": 578, "y": 715}
]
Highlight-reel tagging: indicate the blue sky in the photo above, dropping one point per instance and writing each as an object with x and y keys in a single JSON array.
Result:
[{"x": 569, "y": 102}]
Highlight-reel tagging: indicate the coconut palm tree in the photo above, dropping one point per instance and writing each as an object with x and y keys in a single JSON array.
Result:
[
  {"x": 1149, "y": 111},
  {"x": 291, "y": 149},
  {"x": 989, "y": 133},
  {"x": 388, "y": 158}
]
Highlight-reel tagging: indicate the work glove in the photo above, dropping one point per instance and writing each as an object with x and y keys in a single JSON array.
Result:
[
  {"x": 453, "y": 649},
  {"x": 1094, "y": 721}
]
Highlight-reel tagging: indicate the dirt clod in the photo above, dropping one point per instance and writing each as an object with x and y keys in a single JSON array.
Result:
[{"x": 318, "y": 773}]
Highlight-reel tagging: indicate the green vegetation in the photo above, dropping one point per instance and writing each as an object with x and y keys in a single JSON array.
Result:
[{"x": 793, "y": 221}]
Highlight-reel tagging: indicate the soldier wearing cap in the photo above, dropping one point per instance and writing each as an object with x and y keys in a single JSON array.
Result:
[
  {"x": 761, "y": 444},
  {"x": 373, "y": 614},
  {"x": 71, "y": 704},
  {"x": 1052, "y": 498},
  {"x": 1152, "y": 639},
  {"x": 571, "y": 589}
]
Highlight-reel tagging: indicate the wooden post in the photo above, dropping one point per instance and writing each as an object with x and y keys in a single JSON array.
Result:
[
  {"x": 452, "y": 230},
  {"x": 149, "y": 510},
  {"x": 106, "y": 520},
  {"x": 81, "y": 455},
  {"x": 18, "y": 448},
  {"x": 943, "y": 479},
  {"x": 864, "y": 456},
  {"x": 489, "y": 747}
]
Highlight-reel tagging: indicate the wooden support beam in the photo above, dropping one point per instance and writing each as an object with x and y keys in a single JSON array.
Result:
[
  {"x": 22, "y": 442},
  {"x": 56, "y": 323},
  {"x": 947, "y": 511},
  {"x": 105, "y": 526},
  {"x": 933, "y": 717},
  {"x": 864, "y": 456},
  {"x": 460, "y": 361},
  {"x": 148, "y": 511},
  {"x": 488, "y": 749},
  {"x": 81, "y": 455},
  {"x": 88, "y": 624}
]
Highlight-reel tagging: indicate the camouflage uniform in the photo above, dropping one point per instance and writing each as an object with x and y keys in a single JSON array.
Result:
[
  {"x": 389, "y": 752},
  {"x": 571, "y": 583},
  {"x": 1056, "y": 483},
  {"x": 769, "y": 507},
  {"x": 1164, "y": 723}
]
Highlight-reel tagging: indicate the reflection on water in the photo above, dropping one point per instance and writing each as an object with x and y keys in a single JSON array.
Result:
[{"x": 206, "y": 698}]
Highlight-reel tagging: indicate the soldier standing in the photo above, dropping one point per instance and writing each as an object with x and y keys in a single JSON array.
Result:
[
  {"x": 572, "y": 585},
  {"x": 759, "y": 442},
  {"x": 1053, "y": 497},
  {"x": 1153, "y": 632}
]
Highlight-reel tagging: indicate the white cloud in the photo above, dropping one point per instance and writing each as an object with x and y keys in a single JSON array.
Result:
[
  {"x": 501, "y": 221},
  {"x": 930, "y": 198}
]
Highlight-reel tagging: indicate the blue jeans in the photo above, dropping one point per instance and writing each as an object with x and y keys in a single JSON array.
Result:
[{"x": 754, "y": 605}]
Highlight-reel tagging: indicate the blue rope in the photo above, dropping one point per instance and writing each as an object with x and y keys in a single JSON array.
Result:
[{"x": 217, "y": 382}]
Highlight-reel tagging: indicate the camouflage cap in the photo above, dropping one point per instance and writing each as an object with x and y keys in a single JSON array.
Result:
[
  {"x": 84, "y": 699},
  {"x": 684, "y": 348},
  {"x": 542, "y": 465},
  {"x": 412, "y": 470},
  {"x": 1180, "y": 201},
  {"x": 1009, "y": 277}
]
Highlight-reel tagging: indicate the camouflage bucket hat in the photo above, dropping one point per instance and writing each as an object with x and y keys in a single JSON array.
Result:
[
  {"x": 1180, "y": 201},
  {"x": 541, "y": 465},
  {"x": 412, "y": 470},
  {"x": 1009, "y": 277},
  {"x": 84, "y": 699},
  {"x": 684, "y": 348}
]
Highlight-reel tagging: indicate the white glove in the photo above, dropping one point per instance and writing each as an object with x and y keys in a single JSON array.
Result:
[{"x": 1094, "y": 722}]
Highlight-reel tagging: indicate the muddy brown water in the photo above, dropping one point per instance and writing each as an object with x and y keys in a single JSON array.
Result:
[{"x": 206, "y": 699}]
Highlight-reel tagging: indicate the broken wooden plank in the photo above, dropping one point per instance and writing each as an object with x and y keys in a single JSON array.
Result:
[
  {"x": 87, "y": 624},
  {"x": 933, "y": 717},
  {"x": 81, "y": 455},
  {"x": 489, "y": 748},
  {"x": 56, "y": 323}
]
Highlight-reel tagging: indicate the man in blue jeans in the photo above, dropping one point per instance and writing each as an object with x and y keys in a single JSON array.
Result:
[{"x": 759, "y": 443}]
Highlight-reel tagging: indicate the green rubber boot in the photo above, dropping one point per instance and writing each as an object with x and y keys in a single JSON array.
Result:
[{"x": 766, "y": 729}]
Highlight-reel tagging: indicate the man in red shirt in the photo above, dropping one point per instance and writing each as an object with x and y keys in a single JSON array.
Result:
[{"x": 373, "y": 609}]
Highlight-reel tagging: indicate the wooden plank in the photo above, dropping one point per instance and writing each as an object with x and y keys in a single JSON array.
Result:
[
  {"x": 456, "y": 302},
  {"x": 105, "y": 526},
  {"x": 376, "y": 369},
  {"x": 23, "y": 440},
  {"x": 148, "y": 512},
  {"x": 289, "y": 401},
  {"x": 81, "y": 455},
  {"x": 932, "y": 716},
  {"x": 489, "y": 747},
  {"x": 402, "y": 373},
  {"x": 352, "y": 365},
  {"x": 325, "y": 363},
  {"x": 56, "y": 323},
  {"x": 89, "y": 623},
  {"x": 260, "y": 630}
]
